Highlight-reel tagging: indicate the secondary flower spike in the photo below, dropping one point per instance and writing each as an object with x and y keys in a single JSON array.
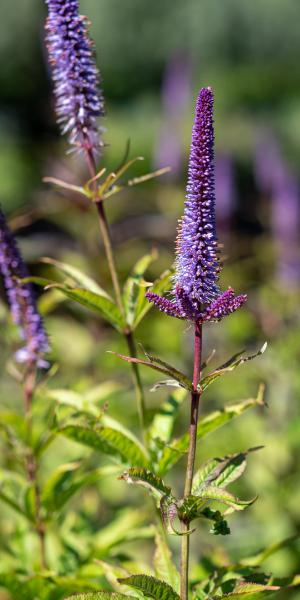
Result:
[
  {"x": 21, "y": 300},
  {"x": 197, "y": 296},
  {"x": 79, "y": 101}
]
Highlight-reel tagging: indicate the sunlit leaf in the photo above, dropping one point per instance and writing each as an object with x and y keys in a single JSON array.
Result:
[
  {"x": 109, "y": 441},
  {"x": 97, "y": 303},
  {"x": 147, "y": 479},
  {"x": 135, "y": 286},
  {"x": 163, "y": 421},
  {"x": 77, "y": 277},
  {"x": 100, "y": 596},
  {"x": 160, "y": 285},
  {"x": 151, "y": 587},
  {"x": 250, "y": 591},
  {"x": 159, "y": 365},
  {"x": 234, "y": 362},
  {"x": 164, "y": 566},
  {"x": 192, "y": 506},
  {"x": 221, "y": 471},
  {"x": 172, "y": 453}
]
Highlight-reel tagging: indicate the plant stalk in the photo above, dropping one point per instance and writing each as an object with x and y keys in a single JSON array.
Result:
[
  {"x": 31, "y": 464},
  {"x": 195, "y": 398},
  {"x": 128, "y": 334}
]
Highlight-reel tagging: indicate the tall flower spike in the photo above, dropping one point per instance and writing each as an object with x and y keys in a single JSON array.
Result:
[
  {"x": 79, "y": 101},
  {"x": 21, "y": 300},
  {"x": 197, "y": 294}
]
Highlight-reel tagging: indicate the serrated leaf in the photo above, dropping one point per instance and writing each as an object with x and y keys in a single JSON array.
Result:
[
  {"x": 77, "y": 276},
  {"x": 164, "y": 566},
  {"x": 159, "y": 286},
  {"x": 134, "y": 286},
  {"x": 151, "y": 587},
  {"x": 220, "y": 472},
  {"x": 234, "y": 362},
  {"x": 250, "y": 591},
  {"x": 109, "y": 441},
  {"x": 192, "y": 506},
  {"x": 174, "y": 452},
  {"x": 147, "y": 479},
  {"x": 163, "y": 421},
  {"x": 159, "y": 365},
  {"x": 220, "y": 525}
]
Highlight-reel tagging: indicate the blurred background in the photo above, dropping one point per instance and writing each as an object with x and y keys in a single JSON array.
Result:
[{"x": 154, "y": 57}]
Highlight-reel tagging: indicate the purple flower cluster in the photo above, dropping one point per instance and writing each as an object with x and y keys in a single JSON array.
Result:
[
  {"x": 21, "y": 300},
  {"x": 78, "y": 98},
  {"x": 197, "y": 296}
]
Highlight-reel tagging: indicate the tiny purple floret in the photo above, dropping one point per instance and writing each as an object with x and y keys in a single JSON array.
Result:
[
  {"x": 79, "y": 101},
  {"x": 21, "y": 300},
  {"x": 197, "y": 296}
]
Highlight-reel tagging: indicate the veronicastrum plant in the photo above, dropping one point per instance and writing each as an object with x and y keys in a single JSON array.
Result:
[{"x": 195, "y": 297}]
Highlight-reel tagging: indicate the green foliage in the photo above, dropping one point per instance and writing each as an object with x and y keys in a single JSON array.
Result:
[
  {"x": 151, "y": 587},
  {"x": 220, "y": 472},
  {"x": 110, "y": 441},
  {"x": 164, "y": 566},
  {"x": 100, "y": 596},
  {"x": 230, "y": 365},
  {"x": 147, "y": 479}
]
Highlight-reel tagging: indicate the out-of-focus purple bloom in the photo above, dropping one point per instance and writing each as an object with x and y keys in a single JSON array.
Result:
[
  {"x": 276, "y": 180},
  {"x": 175, "y": 97},
  {"x": 79, "y": 101},
  {"x": 21, "y": 300},
  {"x": 225, "y": 190},
  {"x": 197, "y": 296}
]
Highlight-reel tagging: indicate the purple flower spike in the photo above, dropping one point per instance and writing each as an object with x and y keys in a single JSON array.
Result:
[
  {"x": 197, "y": 294},
  {"x": 21, "y": 300},
  {"x": 78, "y": 98}
]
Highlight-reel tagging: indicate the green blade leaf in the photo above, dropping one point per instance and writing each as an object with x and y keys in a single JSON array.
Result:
[
  {"x": 135, "y": 285},
  {"x": 151, "y": 587},
  {"x": 99, "y": 304},
  {"x": 77, "y": 277},
  {"x": 250, "y": 591},
  {"x": 220, "y": 472},
  {"x": 147, "y": 479},
  {"x": 164, "y": 566},
  {"x": 234, "y": 362},
  {"x": 109, "y": 441},
  {"x": 158, "y": 365},
  {"x": 63, "y": 484},
  {"x": 172, "y": 453},
  {"x": 159, "y": 286},
  {"x": 192, "y": 506},
  {"x": 163, "y": 422},
  {"x": 220, "y": 525}
]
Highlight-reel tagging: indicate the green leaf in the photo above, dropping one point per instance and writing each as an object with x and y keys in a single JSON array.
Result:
[
  {"x": 97, "y": 303},
  {"x": 220, "y": 526},
  {"x": 151, "y": 587},
  {"x": 163, "y": 422},
  {"x": 77, "y": 276},
  {"x": 159, "y": 365},
  {"x": 109, "y": 441},
  {"x": 192, "y": 506},
  {"x": 159, "y": 286},
  {"x": 234, "y": 362},
  {"x": 250, "y": 591},
  {"x": 100, "y": 596},
  {"x": 173, "y": 453},
  {"x": 260, "y": 557},
  {"x": 135, "y": 286},
  {"x": 63, "y": 484},
  {"x": 147, "y": 479},
  {"x": 13, "y": 490},
  {"x": 124, "y": 526},
  {"x": 164, "y": 566},
  {"x": 220, "y": 472}
]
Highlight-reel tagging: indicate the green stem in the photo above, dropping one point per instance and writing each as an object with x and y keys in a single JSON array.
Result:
[
  {"x": 195, "y": 398},
  {"x": 31, "y": 464},
  {"x": 128, "y": 334}
]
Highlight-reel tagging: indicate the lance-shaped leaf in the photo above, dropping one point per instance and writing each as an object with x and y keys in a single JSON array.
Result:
[
  {"x": 221, "y": 471},
  {"x": 76, "y": 276},
  {"x": 13, "y": 492},
  {"x": 234, "y": 362},
  {"x": 100, "y": 596},
  {"x": 147, "y": 479},
  {"x": 163, "y": 421},
  {"x": 110, "y": 441},
  {"x": 159, "y": 365},
  {"x": 160, "y": 285},
  {"x": 172, "y": 453},
  {"x": 151, "y": 587},
  {"x": 135, "y": 286},
  {"x": 250, "y": 591},
  {"x": 191, "y": 507},
  {"x": 164, "y": 566}
]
